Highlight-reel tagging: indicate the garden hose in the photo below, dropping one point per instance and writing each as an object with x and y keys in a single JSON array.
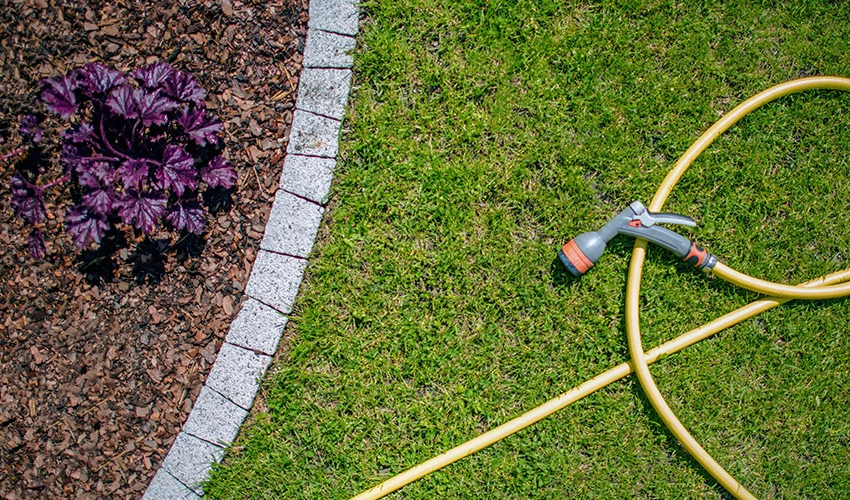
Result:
[{"x": 581, "y": 253}]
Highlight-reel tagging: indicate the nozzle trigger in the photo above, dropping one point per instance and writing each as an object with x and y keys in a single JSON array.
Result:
[{"x": 649, "y": 219}]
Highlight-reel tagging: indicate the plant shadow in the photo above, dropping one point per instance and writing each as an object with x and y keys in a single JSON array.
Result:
[
  {"x": 218, "y": 199},
  {"x": 148, "y": 259},
  {"x": 98, "y": 265}
]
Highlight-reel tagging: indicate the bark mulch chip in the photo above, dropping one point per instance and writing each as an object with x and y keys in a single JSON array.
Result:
[{"x": 99, "y": 365}]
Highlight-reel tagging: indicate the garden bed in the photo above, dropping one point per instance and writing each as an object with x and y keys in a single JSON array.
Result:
[{"x": 99, "y": 364}]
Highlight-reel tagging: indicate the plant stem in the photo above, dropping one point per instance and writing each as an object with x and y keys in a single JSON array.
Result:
[
  {"x": 106, "y": 143},
  {"x": 52, "y": 183},
  {"x": 99, "y": 158},
  {"x": 12, "y": 153}
]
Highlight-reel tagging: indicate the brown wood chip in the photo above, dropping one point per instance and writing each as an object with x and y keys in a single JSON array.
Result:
[{"x": 97, "y": 379}]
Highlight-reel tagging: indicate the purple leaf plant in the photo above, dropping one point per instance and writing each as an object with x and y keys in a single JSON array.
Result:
[{"x": 139, "y": 147}]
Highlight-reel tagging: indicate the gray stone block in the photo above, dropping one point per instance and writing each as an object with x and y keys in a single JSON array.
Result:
[
  {"x": 257, "y": 327},
  {"x": 338, "y": 16},
  {"x": 313, "y": 135},
  {"x": 328, "y": 50},
  {"x": 324, "y": 91},
  {"x": 292, "y": 226},
  {"x": 275, "y": 280},
  {"x": 308, "y": 176},
  {"x": 189, "y": 460},
  {"x": 165, "y": 487},
  {"x": 236, "y": 374},
  {"x": 214, "y": 418}
]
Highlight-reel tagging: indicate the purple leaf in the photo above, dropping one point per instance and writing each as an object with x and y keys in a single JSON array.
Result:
[
  {"x": 85, "y": 226},
  {"x": 187, "y": 215},
  {"x": 99, "y": 79},
  {"x": 21, "y": 188},
  {"x": 183, "y": 87},
  {"x": 100, "y": 201},
  {"x": 198, "y": 126},
  {"x": 29, "y": 129},
  {"x": 81, "y": 133},
  {"x": 36, "y": 244},
  {"x": 153, "y": 75},
  {"x": 31, "y": 209},
  {"x": 88, "y": 179},
  {"x": 132, "y": 173},
  {"x": 103, "y": 171},
  {"x": 141, "y": 209},
  {"x": 94, "y": 173},
  {"x": 27, "y": 200},
  {"x": 218, "y": 173},
  {"x": 177, "y": 171},
  {"x": 121, "y": 102},
  {"x": 74, "y": 158},
  {"x": 59, "y": 95},
  {"x": 152, "y": 107}
]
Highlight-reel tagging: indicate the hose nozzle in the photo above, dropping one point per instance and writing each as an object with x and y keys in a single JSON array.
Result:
[{"x": 581, "y": 252}]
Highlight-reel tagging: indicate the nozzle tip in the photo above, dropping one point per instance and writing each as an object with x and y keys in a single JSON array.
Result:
[{"x": 569, "y": 265}]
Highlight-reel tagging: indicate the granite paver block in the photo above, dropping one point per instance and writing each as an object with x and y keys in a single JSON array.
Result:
[
  {"x": 292, "y": 226},
  {"x": 214, "y": 418},
  {"x": 165, "y": 487},
  {"x": 308, "y": 176},
  {"x": 236, "y": 374},
  {"x": 189, "y": 460},
  {"x": 257, "y": 327},
  {"x": 339, "y": 16},
  {"x": 275, "y": 280},
  {"x": 328, "y": 50},
  {"x": 308, "y": 172},
  {"x": 313, "y": 135},
  {"x": 324, "y": 91}
]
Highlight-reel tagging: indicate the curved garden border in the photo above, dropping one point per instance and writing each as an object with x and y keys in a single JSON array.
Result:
[{"x": 296, "y": 213}]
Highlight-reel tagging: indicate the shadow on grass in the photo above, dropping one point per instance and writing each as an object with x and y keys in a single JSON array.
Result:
[
  {"x": 560, "y": 276},
  {"x": 676, "y": 450}
]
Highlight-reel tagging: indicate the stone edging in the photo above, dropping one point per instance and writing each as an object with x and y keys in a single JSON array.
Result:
[{"x": 247, "y": 351}]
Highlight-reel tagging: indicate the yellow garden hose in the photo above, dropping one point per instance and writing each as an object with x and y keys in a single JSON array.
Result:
[{"x": 831, "y": 286}]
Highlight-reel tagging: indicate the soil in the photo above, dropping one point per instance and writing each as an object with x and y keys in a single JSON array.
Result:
[{"x": 100, "y": 362}]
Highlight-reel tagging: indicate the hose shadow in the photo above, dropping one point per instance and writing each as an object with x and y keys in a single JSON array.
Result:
[
  {"x": 563, "y": 278},
  {"x": 674, "y": 450}
]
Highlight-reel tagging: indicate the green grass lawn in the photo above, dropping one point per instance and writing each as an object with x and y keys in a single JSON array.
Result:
[{"x": 482, "y": 136}]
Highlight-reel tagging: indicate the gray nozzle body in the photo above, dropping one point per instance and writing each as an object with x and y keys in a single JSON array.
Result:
[
  {"x": 592, "y": 245},
  {"x": 631, "y": 221},
  {"x": 584, "y": 250}
]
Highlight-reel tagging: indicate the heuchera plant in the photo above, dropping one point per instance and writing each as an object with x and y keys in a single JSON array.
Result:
[{"x": 139, "y": 148}]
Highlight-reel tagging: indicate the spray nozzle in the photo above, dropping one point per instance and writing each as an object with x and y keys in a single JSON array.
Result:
[{"x": 581, "y": 252}]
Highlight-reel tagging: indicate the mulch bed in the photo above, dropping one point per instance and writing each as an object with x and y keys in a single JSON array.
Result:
[{"x": 99, "y": 365}]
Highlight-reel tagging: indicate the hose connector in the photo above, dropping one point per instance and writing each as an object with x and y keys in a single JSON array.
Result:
[
  {"x": 699, "y": 258},
  {"x": 581, "y": 252}
]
